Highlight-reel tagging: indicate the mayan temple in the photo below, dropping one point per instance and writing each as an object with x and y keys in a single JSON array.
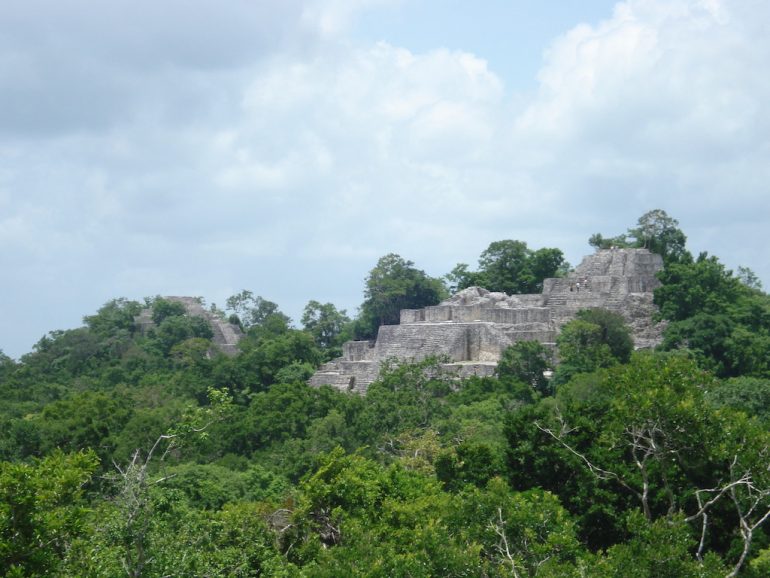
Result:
[
  {"x": 225, "y": 334},
  {"x": 473, "y": 327}
]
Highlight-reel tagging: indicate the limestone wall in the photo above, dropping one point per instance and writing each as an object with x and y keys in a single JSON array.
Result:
[
  {"x": 418, "y": 341},
  {"x": 358, "y": 350}
]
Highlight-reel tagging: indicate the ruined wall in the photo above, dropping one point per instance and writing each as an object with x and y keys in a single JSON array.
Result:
[{"x": 473, "y": 327}]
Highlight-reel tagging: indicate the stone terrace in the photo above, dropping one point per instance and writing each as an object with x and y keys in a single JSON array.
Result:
[{"x": 473, "y": 327}]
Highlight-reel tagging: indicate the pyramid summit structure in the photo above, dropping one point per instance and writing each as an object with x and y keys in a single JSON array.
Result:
[{"x": 472, "y": 328}]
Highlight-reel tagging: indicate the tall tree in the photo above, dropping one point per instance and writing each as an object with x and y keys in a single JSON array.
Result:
[
  {"x": 527, "y": 362},
  {"x": 325, "y": 323},
  {"x": 511, "y": 267},
  {"x": 395, "y": 284},
  {"x": 614, "y": 331},
  {"x": 253, "y": 310},
  {"x": 661, "y": 234},
  {"x": 712, "y": 313},
  {"x": 42, "y": 511},
  {"x": 582, "y": 349},
  {"x": 655, "y": 231},
  {"x": 642, "y": 436}
]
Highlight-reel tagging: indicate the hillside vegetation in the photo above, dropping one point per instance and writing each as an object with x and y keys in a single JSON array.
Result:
[{"x": 149, "y": 453}]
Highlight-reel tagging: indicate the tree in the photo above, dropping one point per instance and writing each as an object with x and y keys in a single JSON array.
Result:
[
  {"x": 394, "y": 284},
  {"x": 655, "y": 231},
  {"x": 325, "y": 323},
  {"x": 598, "y": 241},
  {"x": 461, "y": 278},
  {"x": 748, "y": 394},
  {"x": 687, "y": 289},
  {"x": 174, "y": 330},
  {"x": 114, "y": 316},
  {"x": 504, "y": 266},
  {"x": 7, "y": 365},
  {"x": 405, "y": 396},
  {"x": 132, "y": 529},
  {"x": 660, "y": 233},
  {"x": 467, "y": 463},
  {"x": 614, "y": 331},
  {"x": 716, "y": 316},
  {"x": 746, "y": 276},
  {"x": 527, "y": 362},
  {"x": 582, "y": 349},
  {"x": 643, "y": 436},
  {"x": 521, "y": 533},
  {"x": 41, "y": 511},
  {"x": 511, "y": 267},
  {"x": 545, "y": 263},
  {"x": 85, "y": 420},
  {"x": 162, "y": 309},
  {"x": 255, "y": 311},
  {"x": 653, "y": 550},
  {"x": 265, "y": 358}
]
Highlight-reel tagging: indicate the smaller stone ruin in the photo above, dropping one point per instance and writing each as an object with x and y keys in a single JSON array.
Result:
[
  {"x": 226, "y": 335},
  {"x": 473, "y": 327}
]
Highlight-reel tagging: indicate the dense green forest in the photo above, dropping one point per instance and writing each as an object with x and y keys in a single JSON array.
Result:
[{"x": 148, "y": 453}]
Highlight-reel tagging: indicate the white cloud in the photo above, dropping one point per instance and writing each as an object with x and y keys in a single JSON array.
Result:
[{"x": 332, "y": 17}]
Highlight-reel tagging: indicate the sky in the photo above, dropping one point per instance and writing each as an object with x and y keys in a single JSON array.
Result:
[{"x": 201, "y": 147}]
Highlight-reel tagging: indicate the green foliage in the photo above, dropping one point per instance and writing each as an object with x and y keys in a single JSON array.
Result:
[
  {"x": 468, "y": 463},
  {"x": 655, "y": 231},
  {"x": 722, "y": 321},
  {"x": 285, "y": 354},
  {"x": 174, "y": 330},
  {"x": 746, "y": 276},
  {"x": 283, "y": 412},
  {"x": 614, "y": 331},
  {"x": 65, "y": 354},
  {"x": 688, "y": 289},
  {"x": 163, "y": 309},
  {"x": 600, "y": 242},
  {"x": 660, "y": 233},
  {"x": 521, "y": 533},
  {"x": 41, "y": 511},
  {"x": 527, "y": 362},
  {"x": 255, "y": 311},
  {"x": 596, "y": 338},
  {"x": 86, "y": 420},
  {"x": 659, "y": 549},
  {"x": 325, "y": 323},
  {"x": 394, "y": 284},
  {"x": 644, "y": 436},
  {"x": 406, "y": 396},
  {"x": 511, "y": 267},
  {"x": 205, "y": 486},
  {"x": 747, "y": 394},
  {"x": 114, "y": 321},
  {"x": 357, "y": 518},
  {"x": 582, "y": 349},
  {"x": 179, "y": 540}
]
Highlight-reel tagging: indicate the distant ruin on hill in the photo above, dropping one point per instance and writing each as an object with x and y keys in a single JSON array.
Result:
[
  {"x": 226, "y": 335},
  {"x": 473, "y": 327}
]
